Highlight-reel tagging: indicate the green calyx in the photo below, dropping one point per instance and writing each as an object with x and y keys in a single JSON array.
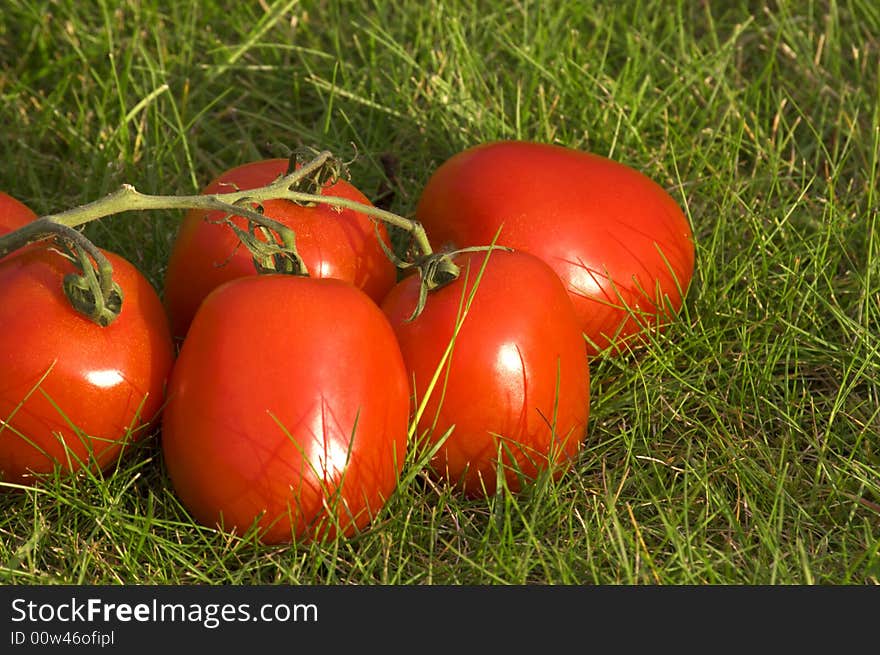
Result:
[
  {"x": 311, "y": 170},
  {"x": 90, "y": 301},
  {"x": 435, "y": 270},
  {"x": 92, "y": 292},
  {"x": 272, "y": 246}
]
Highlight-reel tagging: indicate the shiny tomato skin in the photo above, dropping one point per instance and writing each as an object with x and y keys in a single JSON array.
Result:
[
  {"x": 13, "y": 214},
  {"x": 72, "y": 392},
  {"x": 334, "y": 244},
  {"x": 519, "y": 366},
  {"x": 616, "y": 238},
  {"x": 275, "y": 375}
]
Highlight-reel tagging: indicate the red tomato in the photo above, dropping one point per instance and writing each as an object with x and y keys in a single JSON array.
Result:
[
  {"x": 334, "y": 244},
  {"x": 73, "y": 393},
  {"x": 618, "y": 241},
  {"x": 288, "y": 406},
  {"x": 13, "y": 214},
  {"x": 517, "y": 380}
]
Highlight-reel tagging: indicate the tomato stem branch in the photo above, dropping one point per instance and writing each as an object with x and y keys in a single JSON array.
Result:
[
  {"x": 94, "y": 292},
  {"x": 239, "y": 202}
]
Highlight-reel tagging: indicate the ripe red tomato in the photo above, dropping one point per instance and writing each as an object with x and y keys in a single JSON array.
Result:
[
  {"x": 618, "y": 240},
  {"x": 517, "y": 380},
  {"x": 73, "y": 393},
  {"x": 332, "y": 243},
  {"x": 288, "y": 406},
  {"x": 13, "y": 214}
]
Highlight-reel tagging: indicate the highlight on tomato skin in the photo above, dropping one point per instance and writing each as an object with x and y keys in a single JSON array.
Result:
[
  {"x": 515, "y": 388},
  {"x": 74, "y": 394},
  {"x": 620, "y": 243},
  {"x": 332, "y": 243},
  {"x": 287, "y": 410}
]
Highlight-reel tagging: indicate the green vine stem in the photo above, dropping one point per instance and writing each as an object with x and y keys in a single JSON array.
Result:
[
  {"x": 127, "y": 198},
  {"x": 245, "y": 203}
]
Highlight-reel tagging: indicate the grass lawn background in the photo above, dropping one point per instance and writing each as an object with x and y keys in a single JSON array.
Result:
[{"x": 740, "y": 447}]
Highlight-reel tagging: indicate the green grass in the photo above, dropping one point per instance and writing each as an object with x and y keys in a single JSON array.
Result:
[{"x": 740, "y": 447}]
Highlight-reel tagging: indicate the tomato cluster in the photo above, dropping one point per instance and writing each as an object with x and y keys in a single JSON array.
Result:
[{"x": 291, "y": 403}]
